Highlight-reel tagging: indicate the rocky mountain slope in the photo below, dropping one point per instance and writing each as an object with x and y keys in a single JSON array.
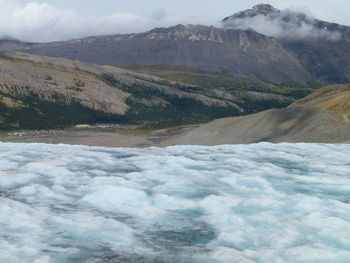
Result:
[
  {"x": 39, "y": 92},
  {"x": 8, "y": 44},
  {"x": 320, "y": 117},
  {"x": 239, "y": 53},
  {"x": 262, "y": 43},
  {"x": 321, "y": 47}
]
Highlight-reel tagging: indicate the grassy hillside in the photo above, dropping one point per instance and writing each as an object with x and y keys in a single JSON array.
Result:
[
  {"x": 210, "y": 80},
  {"x": 31, "y": 112},
  {"x": 40, "y": 92}
]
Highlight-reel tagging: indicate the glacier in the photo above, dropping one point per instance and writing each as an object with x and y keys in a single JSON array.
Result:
[{"x": 231, "y": 203}]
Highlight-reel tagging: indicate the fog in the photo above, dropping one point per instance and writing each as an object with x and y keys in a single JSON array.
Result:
[
  {"x": 52, "y": 20},
  {"x": 292, "y": 24},
  {"x": 42, "y": 22}
]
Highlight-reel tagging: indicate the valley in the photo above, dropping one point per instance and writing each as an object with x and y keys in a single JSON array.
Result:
[
  {"x": 174, "y": 132},
  {"x": 175, "y": 76},
  {"x": 43, "y": 93}
]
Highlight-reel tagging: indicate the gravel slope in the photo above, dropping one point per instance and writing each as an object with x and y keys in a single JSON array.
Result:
[{"x": 320, "y": 117}]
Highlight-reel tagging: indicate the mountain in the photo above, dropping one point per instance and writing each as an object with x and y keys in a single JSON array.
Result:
[
  {"x": 176, "y": 75},
  {"x": 321, "y": 47},
  {"x": 288, "y": 23},
  {"x": 326, "y": 60},
  {"x": 320, "y": 117},
  {"x": 262, "y": 43},
  {"x": 8, "y": 44},
  {"x": 38, "y": 92},
  {"x": 244, "y": 54}
]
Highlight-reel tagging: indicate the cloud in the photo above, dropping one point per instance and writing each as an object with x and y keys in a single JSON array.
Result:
[
  {"x": 159, "y": 14},
  {"x": 334, "y": 11},
  {"x": 42, "y": 22},
  {"x": 38, "y": 21},
  {"x": 289, "y": 24}
]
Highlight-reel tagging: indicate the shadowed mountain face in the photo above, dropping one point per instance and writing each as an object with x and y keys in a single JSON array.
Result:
[
  {"x": 326, "y": 60},
  {"x": 321, "y": 47},
  {"x": 246, "y": 54}
]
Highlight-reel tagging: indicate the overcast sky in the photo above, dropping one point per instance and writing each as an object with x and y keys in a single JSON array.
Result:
[{"x": 50, "y": 20}]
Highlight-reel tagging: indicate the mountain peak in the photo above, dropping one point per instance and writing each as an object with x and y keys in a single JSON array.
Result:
[
  {"x": 260, "y": 9},
  {"x": 263, "y": 9},
  {"x": 286, "y": 24}
]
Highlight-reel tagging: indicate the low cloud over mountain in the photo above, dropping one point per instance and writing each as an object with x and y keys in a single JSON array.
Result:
[
  {"x": 42, "y": 22},
  {"x": 290, "y": 24}
]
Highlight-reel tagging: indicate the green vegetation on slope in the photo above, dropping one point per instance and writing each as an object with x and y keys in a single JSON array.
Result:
[
  {"x": 182, "y": 95},
  {"x": 176, "y": 111},
  {"x": 35, "y": 113},
  {"x": 210, "y": 80}
]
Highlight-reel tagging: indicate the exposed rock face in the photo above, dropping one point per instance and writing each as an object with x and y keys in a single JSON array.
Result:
[
  {"x": 320, "y": 117},
  {"x": 239, "y": 53},
  {"x": 321, "y": 47}
]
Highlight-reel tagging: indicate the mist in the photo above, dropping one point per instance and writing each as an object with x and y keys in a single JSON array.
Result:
[
  {"x": 53, "y": 20},
  {"x": 42, "y": 22},
  {"x": 287, "y": 24}
]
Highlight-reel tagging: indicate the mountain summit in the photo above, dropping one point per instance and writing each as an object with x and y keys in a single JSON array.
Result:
[
  {"x": 286, "y": 23},
  {"x": 261, "y": 9},
  {"x": 321, "y": 47}
]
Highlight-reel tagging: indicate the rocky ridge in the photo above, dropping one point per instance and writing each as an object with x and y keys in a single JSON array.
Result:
[{"x": 245, "y": 54}]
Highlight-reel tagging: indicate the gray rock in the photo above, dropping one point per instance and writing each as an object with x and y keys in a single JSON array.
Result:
[
  {"x": 239, "y": 53},
  {"x": 321, "y": 47}
]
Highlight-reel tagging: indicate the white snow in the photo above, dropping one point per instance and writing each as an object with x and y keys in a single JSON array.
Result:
[{"x": 233, "y": 203}]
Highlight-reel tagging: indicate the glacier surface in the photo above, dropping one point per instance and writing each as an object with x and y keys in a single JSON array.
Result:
[{"x": 231, "y": 203}]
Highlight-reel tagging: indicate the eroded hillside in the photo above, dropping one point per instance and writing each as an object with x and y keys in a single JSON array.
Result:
[
  {"x": 320, "y": 117},
  {"x": 40, "y": 92}
]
